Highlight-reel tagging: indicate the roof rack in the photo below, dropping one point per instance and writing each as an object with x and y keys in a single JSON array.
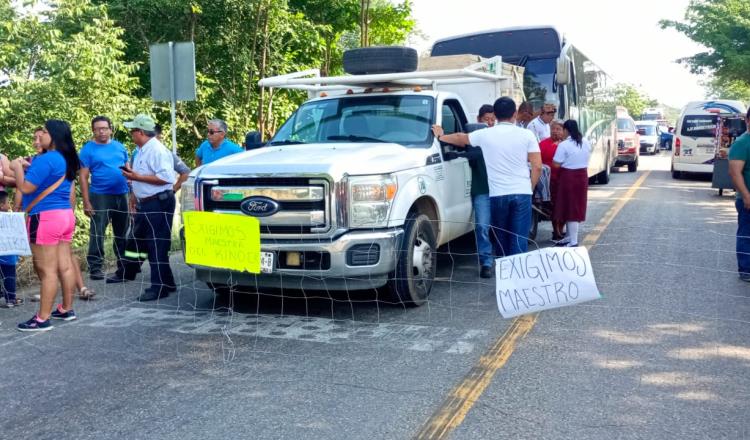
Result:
[{"x": 486, "y": 70}]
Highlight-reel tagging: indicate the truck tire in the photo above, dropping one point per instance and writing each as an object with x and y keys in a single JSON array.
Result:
[
  {"x": 603, "y": 177},
  {"x": 411, "y": 282},
  {"x": 633, "y": 166},
  {"x": 380, "y": 59}
]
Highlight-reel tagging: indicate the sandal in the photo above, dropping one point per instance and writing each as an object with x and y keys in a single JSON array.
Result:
[{"x": 86, "y": 293}]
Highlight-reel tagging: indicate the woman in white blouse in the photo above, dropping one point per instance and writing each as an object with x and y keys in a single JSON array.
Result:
[{"x": 572, "y": 157}]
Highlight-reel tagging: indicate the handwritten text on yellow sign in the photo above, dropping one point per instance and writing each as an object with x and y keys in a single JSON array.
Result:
[{"x": 225, "y": 241}]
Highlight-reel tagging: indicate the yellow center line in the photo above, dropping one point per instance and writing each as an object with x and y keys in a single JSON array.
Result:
[{"x": 463, "y": 396}]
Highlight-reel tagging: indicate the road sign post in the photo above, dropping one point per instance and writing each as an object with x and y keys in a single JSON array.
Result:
[{"x": 173, "y": 76}]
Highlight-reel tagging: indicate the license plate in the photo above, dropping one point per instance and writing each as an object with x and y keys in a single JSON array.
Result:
[
  {"x": 266, "y": 262},
  {"x": 710, "y": 150}
]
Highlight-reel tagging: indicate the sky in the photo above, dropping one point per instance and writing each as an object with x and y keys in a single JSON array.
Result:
[{"x": 623, "y": 38}]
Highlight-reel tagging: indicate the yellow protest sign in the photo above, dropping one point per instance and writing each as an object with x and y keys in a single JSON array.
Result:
[{"x": 224, "y": 241}]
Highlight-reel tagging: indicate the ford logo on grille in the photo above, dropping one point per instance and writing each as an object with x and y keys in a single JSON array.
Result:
[{"x": 259, "y": 206}]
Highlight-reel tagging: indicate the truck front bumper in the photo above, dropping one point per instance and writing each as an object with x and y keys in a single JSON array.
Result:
[{"x": 348, "y": 262}]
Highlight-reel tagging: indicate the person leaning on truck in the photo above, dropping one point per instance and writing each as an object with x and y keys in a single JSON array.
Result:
[
  {"x": 507, "y": 151},
  {"x": 480, "y": 196},
  {"x": 739, "y": 169},
  {"x": 217, "y": 145}
]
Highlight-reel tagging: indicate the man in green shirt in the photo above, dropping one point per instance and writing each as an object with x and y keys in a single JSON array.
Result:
[{"x": 739, "y": 169}]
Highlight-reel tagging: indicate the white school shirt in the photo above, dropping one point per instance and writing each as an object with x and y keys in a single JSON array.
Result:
[
  {"x": 539, "y": 128},
  {"x": 505, "y": 148},
  {"x": 572, "y": 156},
  {"x": 153, "y": 159}
]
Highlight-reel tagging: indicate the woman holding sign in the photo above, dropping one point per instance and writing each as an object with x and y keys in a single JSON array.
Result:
[
  {"x": 572, "y": 157},
  {"x": 46, "y": 189}
]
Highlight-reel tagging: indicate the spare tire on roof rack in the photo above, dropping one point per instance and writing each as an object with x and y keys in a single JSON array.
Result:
[{"x": 380, "y": 59}]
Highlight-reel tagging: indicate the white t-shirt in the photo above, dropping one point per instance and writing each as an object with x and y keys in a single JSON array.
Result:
[
  {"x": 539, "y": 128},
  {"x": 572, "y": 156},
  {"x": 506, "y": 149}
]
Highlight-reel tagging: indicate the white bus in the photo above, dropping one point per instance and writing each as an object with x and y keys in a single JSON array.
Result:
[{"x": 555, "y": 71}]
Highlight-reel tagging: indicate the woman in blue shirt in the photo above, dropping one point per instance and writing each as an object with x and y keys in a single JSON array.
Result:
[{"x": 46, "y": 186}]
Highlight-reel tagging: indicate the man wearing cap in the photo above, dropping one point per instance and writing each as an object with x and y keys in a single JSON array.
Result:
[
  {"x": 217, "y": 145},
  {"x": 152, "y": 178},
  {"x": 540, "y": 125}
]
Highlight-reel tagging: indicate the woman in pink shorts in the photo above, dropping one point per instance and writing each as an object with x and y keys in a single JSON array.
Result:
[{"x": 46, "y": 186}]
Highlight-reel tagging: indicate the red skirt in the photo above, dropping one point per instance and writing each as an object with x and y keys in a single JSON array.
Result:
[{"x": 571, "y": 195}]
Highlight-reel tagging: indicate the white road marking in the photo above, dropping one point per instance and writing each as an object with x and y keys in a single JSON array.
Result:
[{"x": 300, "y": 328}]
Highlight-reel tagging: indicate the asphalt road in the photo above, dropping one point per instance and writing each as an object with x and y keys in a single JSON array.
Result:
[{"x": 664, "y": 354}]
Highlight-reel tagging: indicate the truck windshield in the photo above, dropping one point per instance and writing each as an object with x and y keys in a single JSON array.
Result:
[
  {"x": 648, "y": 130},
  {"x": 400, "y": 119}
]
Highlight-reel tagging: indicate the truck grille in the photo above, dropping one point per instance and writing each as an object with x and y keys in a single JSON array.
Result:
[{"x": 303, "y": 203}]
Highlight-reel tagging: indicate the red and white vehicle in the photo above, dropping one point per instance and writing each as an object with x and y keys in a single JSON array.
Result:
[{"x": 628, "y": 141}]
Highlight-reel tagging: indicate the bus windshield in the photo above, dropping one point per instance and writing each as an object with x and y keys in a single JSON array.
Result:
[{"x": 400, "y": 119}]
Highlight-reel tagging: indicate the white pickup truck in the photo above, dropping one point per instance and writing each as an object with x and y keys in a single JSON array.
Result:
[{"x": 353, "y": 192}]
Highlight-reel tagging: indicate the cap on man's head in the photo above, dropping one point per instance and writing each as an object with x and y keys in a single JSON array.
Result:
[{"x": 141, "y": 122}]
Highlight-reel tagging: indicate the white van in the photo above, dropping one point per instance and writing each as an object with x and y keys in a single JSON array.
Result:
[{"x": 695, "y": 134}]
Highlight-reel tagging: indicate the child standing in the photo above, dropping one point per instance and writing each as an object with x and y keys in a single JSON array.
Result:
[{"x": 8, "y": 268}]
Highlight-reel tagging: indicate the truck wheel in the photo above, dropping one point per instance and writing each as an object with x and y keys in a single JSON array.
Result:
[
  {"x": 383, "y": 59},
  {"x": 416, "y": 261},
  {"x": 676, "y": 174},
  {"x": 633, "y": 167},
  {"x": 603, "y": 177}
]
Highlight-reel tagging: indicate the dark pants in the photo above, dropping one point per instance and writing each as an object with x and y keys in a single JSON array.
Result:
[
  {"x": 107, "y": 208},
  {"x": 8, "y": 284},
  {"x": 152, "y": 235},
  {"x": 511, "y": 221},
  {"x": 743, "y": 238}
]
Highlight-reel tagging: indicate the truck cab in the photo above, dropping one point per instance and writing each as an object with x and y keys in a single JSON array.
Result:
[{"x": 353, "y": 192}]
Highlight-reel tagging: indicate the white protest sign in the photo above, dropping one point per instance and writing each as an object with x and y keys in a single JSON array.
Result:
[
  {"x": 13, "y": 237},
  {"x": 544, "y": 279}
]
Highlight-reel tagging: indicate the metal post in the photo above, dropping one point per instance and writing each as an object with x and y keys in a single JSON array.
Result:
[{"x": 172, "y": 93}]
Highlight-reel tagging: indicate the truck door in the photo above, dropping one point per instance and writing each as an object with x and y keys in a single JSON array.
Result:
[{"x": 456, "y": 179}]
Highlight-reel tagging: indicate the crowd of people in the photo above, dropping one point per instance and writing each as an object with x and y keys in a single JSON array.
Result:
[
  {"x": 507, "y": 158},
  {"x": 134, "y": 193}
]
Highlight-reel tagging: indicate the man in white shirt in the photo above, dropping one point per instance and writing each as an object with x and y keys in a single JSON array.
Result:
[
  {"x": 540, "y": 125},
  {"x": 507, "y": 151},
  {"x": 152, "y": 178}
]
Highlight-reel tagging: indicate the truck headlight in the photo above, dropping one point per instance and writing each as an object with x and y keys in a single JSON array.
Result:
[
  {"x": 187, "y": 195},
  {"x": 370, "y": 199}
]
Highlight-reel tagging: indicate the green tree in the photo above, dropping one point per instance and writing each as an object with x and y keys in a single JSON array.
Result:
[
  {"x": 66, "y": 63},
  {"x": 717, "y": 87},
  {"x": 723, "y": 27},
  {"x": 633, "y": 99}
]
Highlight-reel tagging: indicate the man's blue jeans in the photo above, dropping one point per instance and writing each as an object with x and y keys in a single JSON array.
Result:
[
  {"x": 743, "y": 238},
  {"x": 511, "y": 218},
  {"x": 482, "y": 222}
]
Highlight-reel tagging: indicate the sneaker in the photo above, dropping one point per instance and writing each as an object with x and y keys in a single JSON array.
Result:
[
  {"x": 69, "y": 315},
  {"x": 485, "y": 272},
  {"x": 96, "y": 275},
  {"x": 562, "y": 243},
  {"x": 745, "y": 277},
  {"x": 34, "y": 325},
  {"x": 10, "y": 304}
]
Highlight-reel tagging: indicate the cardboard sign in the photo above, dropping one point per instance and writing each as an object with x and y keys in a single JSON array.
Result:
[
  {"x": 544, "y": 279},
  {"x": 224, "y": 241},
  {"x": 14, "y": 240}
]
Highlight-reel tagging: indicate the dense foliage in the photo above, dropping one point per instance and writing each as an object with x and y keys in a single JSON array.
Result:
[{"x": 723, "y": 27}]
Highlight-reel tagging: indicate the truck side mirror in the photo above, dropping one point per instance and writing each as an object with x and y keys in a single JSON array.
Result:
[{"x": 253, "y": 140}]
